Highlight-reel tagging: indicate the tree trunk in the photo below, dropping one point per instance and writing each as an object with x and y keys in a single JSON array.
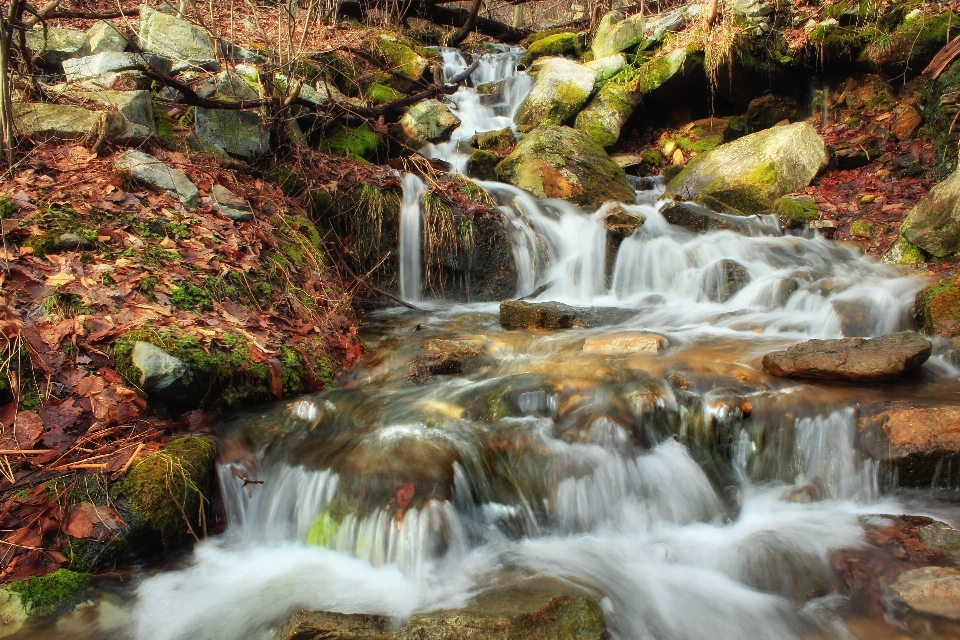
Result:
[{"x": 464, "y": 31}]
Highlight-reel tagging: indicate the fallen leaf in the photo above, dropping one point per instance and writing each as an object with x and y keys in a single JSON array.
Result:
[
  {"x": 27, "y": 429},
  {"x": 60, "y": 279}
]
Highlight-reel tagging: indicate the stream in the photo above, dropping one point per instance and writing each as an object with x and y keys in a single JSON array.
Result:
[{"x": 696, "y": 496}]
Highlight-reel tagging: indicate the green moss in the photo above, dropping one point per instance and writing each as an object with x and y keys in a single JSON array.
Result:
[
  {"x": 357, "y": 144},
  {"x": 401, "y": 56},
  {"x": 163, "y": 124},
  {"x": 659, "y": 70},
  {"x": 558, "y": 44},
  {"x": 794, "y": 211},
  {"x": 905, "y": 252},
  {"x": 940, "y": 116},
  {"x": 863, "y": 229},
  {"x": 938, "y": 308},
  {"x": 166, "y": 490},
  {"x": 323, "y": 530},
  {"x": 52, "y": 593},
  {"x": 540, "y": 35},
  {"x": 380, "y": 93},
  {"x": 288, "y": 181},
  {"x": 184, "y": 294}
]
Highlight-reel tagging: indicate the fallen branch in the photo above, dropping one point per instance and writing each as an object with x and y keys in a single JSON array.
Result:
[{"x": 943, "y": 58}]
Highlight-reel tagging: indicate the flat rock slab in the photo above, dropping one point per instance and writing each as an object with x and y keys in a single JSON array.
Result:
[
  {"x": 149, "y": 172},
  {"x": 930, "y": 590},
  {"x": 516, "y": 314},
  {"x": 856, "y": 359},
  {"x": 618, "y": 343}
]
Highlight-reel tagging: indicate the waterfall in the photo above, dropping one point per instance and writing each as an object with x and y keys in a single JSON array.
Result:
[{"x": 411, "y": 218}]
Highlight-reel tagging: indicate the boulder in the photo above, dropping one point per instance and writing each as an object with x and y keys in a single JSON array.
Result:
[
  {"x": 855, "y": 359},
  {"x": 930, "y": 590},
  {"x": 613, "y": 105},
  {"x": 795, "y": 211},
  {"x": 135, "y": 106},
  {"x": 938, "y": 308},
  {"x": 616, "y": 33},
  {"x": 517, "y": 314},
  {"x": 425, "y": 122},
  {"x": 160, "y": 372},
  {"x": 934, "y": 224},
  {"x": 558, "y": 44},
  {"x": 482, "y": 165},
  {"x": 766, "y": 111},
  {"x": 149, "y": 172},
  {"x": 188, "y": 45},
  {"x": 904, "y": 252},
  {"x": 912, "y": 443},
  {"x": 619, "y": 343},
  {"x": 103, "y": 37},
  {"x": 620, "y": 222},
  {"x": 560, "y": 162},
  {"x": 750, "y": 173},
  {"x": 43, "y": 121},
  {"x": 400, "y": 56},
  {"x": 314, "y": 625},
  {"x": 499, "y": 141},
  {"x": 231, "y": 86},
  {"x": 560, "y": 89},
  {"x": 101, "y": 63},
  {"x": 59, "y": 44},
  {"x": 239, "y": 133},
  {"x": 607, "y": 67},
  {"x": 700, "y": 219}
]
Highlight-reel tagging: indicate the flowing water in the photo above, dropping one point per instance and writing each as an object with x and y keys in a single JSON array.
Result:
[{"x": 698, "y": 497}]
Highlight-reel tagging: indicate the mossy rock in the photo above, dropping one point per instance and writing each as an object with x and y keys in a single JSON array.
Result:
[
  {"x": 378, "y": 93},
  {"x": 768, "y": 110},
  {"x": 616, "y": 33},
  {"x": 864, "y": 230},
  {"x": 425, "y": 122},
  {"x": 605, "y": 115},
  {"x": 795, "y": 211},
  {"x": 934, "y": 224},
  {"x": 359, "y": 144},
  {"x": 166, "y": 491},
  {"x": 560, "y": 162},
  {"x": 559, "y": 44},
  {"x": 938, "y": 308},
  {"x": 400, "y": 55},
  {"x": 904, "y": 252},
  {"x": 561, "y": 88},
  {"x": 53, "y": 593},
  {"x": 499, "y": 141},
  {"x": 481, "y": 165}
]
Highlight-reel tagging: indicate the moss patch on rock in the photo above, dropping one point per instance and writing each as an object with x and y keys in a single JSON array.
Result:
[
  {"x": 52, "y": 593},
  {"x": 795, "y": 211},
  {"x": 358, "y": 143},
  {"x": 558, "y": 44}
]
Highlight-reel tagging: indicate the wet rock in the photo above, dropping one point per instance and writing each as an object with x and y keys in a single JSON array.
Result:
[
  {"x": 934, "y": 224},
  {"x": 751, "y": 172},
  {"x": 325, "y": 625},
  {"x": 463, "y": 348},
  {"x": 700, "y": 219},
  {"x": 619, "y": 221},
  {"x": 619, "y": 343},
  {"x": 512, "y": 614},
  {"x": 103, "y": 36},
  {"x": 59, "y": 44},
  {"x": 930, "y": 590},
  {"x": 731, "y": 277},
  {"x": 149, "y": 172},
  {"x": 938, "y": 308},
  {"x": 766, "y": 111},
  {"x": 238, "y": 133},
  {"x": 912, "y": 443},
  {"x": 425, "y": 122},
  {"x": 494, "y": 141},
  {"x": 160, "y": 372},
  {"x": 939, "y": 536},
  {"x": 615, "y": 33},
  {"x": 561, "y": 88},
  {"x": 855, "y": 317},
  {"x": 855, "y": 359},
  {"x": 517, "y": 314},
  {"x": 827, "y": 228},
  {"x": 426, "y": 365},
  {"x": 482, "y": 165},
  {"x": 188, "y": 45},
  {"x": 558, "y": 44},
  {"x": 560, "y": 162},
  {"x": 795, "y": 211}
]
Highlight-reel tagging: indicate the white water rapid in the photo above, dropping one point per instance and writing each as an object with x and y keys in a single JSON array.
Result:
[{"x": 697, "y": 498}]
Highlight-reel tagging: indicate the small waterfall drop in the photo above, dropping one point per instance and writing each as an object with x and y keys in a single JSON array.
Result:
[{"x": 411, "y": 220}]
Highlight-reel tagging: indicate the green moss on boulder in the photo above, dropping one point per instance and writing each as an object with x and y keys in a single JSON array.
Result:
[
  {"x": 904, "y": 252},
  {"x": 481, "y": 165},
  {"x": 934, "y": 224},
  {"x": 51, "y": 593},
  {"x": 561, "y": 88},
  {"x": 559, "y": 44},
  {"x": 357, "y": 144},
  {"x": 938, "y": 308},
  {"x": 795, "y": 211}
]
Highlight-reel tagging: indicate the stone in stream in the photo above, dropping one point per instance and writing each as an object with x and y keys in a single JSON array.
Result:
[
  {"x": 620, "y": 222},
  {"x": 517, "y": 314},
  {"x": 912, "y": 443},
  {"x": 516, "y": 613},
  {"x": 700, "y": 219},
  {"x": 425, "y": 122},
  {"x": 560, "y": 162},
  {"x": 750, "y": 173},
  {"x": 854, "y": 359},
  {"x": 560, "y": 89},
  {"x": 482, "y": 165},
  {"x": 149, "y": 172},
  {"x": 499, "y": 141},
  {"x": 426, "y": 365},
  {"x": 930, "y": 590},
  {"x": 615, "y": 33},
  {"x": 617, "y": 343},
  {"x": 934, "y": 224}
]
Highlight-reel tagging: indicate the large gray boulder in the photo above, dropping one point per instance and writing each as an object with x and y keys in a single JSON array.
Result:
[
  {"x": 857, "y": 359},
  {"x": 169, "y": 36},
  {"x": 149, "y": 172},
  {"x": 55, "y": 122},
  {"x": 608, "y": 66},
  {"x": 616, "y": 33},
  {"x": 231, "y": 85},
  {"x": 749, "y": 174},
  {"x": 103, "y": 37},
  {"x": 425, "y": 122},
  {"x": 560, "y": 89},
  {"x": 134, "y": 106},
  {"x": 239, "y": 133},
  {"x": 59, "y": 44},
  {"x": 934, "y": 224},
  {"x": 560, "y": 162},
  {"x": 101, "y": 63},
  {"x": 160, "y": 372}
]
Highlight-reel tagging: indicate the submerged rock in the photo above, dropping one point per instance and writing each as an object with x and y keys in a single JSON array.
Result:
[
  {"x": 326, "y": 625},
  {"x": 930, "y": 590},
  {"x": 749, "y": 174},
  {"x": 618, "y": 343},
  {"x": 561, "y": 88},
  {"x": 855, "y": 359},
  {"x": 426, "y": 365},
  {"x": 616, "y": 33},
  {"x": 517, "y": 314},
  {"x": 934, "y": 224},
  {"x": 560, "y": 162},
  {"x": 938, "y": 308},
  {"x": 425, "y": 122},
  {"x": 620, "y": 222}
]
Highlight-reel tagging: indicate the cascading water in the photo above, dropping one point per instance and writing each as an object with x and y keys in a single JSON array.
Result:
[{"x": 696, "y": 495}]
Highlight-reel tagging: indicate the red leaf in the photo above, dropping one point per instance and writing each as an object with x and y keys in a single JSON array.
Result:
[{"x": 27, "y": 428}]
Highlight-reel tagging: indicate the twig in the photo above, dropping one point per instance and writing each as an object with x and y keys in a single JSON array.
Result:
[{"x": 133, "y": 457}]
